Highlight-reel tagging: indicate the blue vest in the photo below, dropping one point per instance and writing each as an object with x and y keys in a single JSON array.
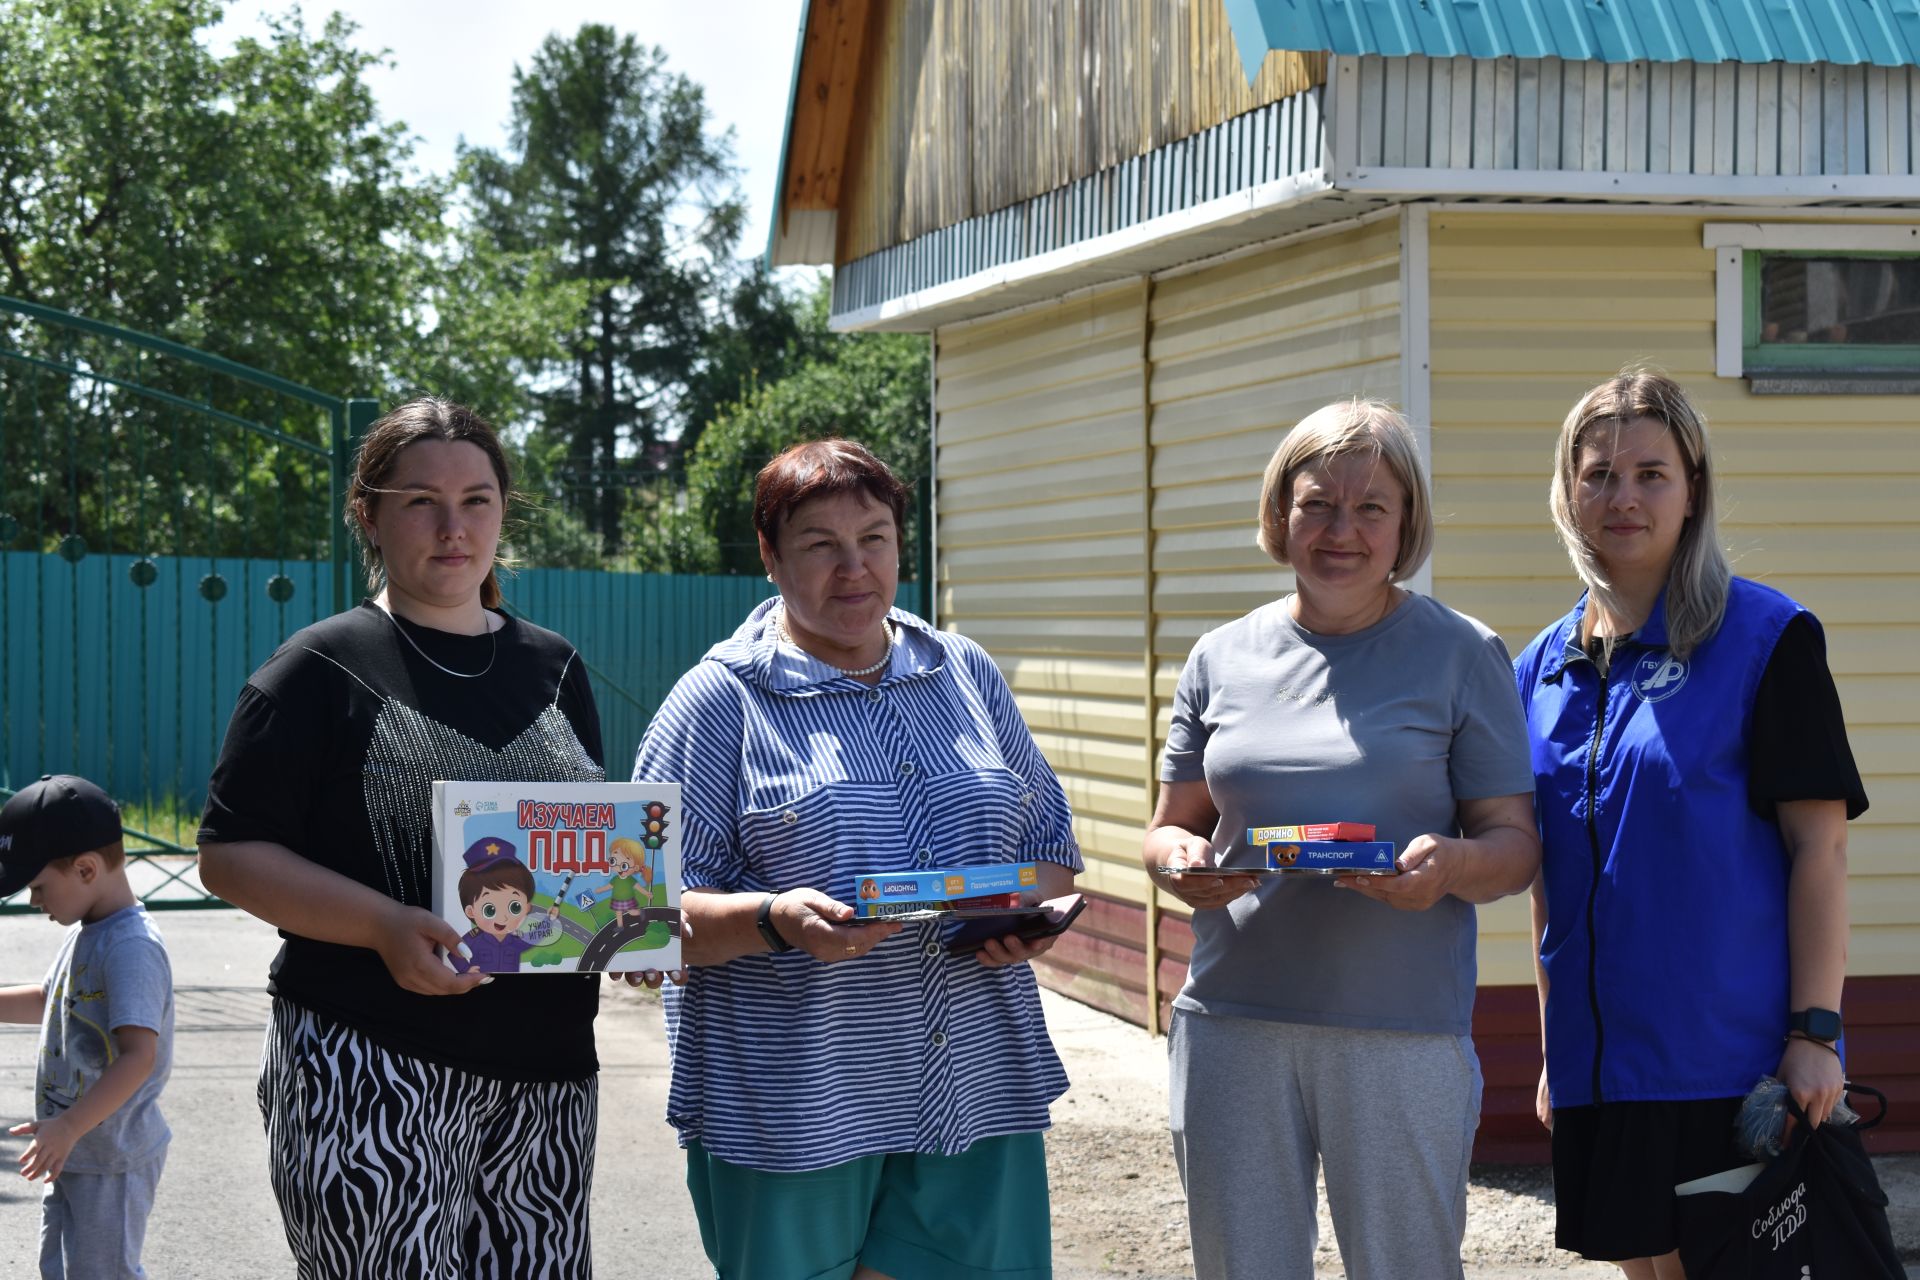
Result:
[{"x": 1666, "y": 941}]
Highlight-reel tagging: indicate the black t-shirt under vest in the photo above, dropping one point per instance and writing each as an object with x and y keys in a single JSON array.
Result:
[{"x": 331, "y": 752}]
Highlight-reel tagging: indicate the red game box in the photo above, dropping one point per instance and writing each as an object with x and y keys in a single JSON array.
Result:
[{"x": 1345, "y": 832}]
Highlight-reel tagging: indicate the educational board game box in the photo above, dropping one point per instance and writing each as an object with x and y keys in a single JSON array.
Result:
[
  {"x": 559, "y": 877},
  {"x": 1343, "y": 831},
  {"x": 988, "y": 888},
  {"x": 1357, "y": 857}
]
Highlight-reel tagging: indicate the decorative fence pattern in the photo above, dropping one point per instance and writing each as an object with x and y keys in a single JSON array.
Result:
[
  {"x": 131, "y": 685},
  {"x": 127, "y": 674},
  {"x": 638, "y": 633}
]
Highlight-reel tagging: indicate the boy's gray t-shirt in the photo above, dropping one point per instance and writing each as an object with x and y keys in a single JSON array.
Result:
[
  {"x": 109, "y": 974},
  {"x": 1392, "y": 725}
]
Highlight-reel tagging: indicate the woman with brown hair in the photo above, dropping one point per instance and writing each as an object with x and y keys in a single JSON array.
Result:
[
  {"x": 854, "y": 1100},
  {"x": 409, "y": 1134}
]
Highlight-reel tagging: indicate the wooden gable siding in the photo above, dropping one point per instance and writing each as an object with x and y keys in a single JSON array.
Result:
[
  {"x": 832, "y": 52},
  {"x": 1531, "y": 310},
  {"x": 967, "y": 108}
]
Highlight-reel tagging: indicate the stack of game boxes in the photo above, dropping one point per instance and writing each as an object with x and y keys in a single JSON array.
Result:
[
  {"x": 994, "y": 887},
  {"x": 1325, "y": 848}
]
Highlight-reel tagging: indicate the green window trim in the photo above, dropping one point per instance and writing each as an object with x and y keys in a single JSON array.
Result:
[{"x": 1768, "y": 358}]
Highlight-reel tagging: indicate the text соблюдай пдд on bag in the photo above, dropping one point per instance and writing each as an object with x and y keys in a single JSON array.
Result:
[{"x": 1815, "y": 1211}]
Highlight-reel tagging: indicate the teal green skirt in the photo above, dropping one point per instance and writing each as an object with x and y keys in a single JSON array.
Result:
[{"x": 981, "y": 1215}]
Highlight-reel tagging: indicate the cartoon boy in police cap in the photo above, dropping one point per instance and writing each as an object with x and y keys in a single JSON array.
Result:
[{"x": 496, "y": 892}]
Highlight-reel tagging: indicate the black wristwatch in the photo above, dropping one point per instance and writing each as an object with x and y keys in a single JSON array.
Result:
[
  {"x": 1815, "y": 1024},
  {"x": 764, "y": 922}
]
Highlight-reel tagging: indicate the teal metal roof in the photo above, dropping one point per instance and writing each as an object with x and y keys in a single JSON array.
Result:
[{"x": 1885, "y": 32}]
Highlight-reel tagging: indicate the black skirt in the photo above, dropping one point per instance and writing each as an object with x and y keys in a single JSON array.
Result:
[{"x": 1615, "y": 1166}]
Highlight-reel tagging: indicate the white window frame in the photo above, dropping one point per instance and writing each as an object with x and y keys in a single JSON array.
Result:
[{"x": 1731, "y": 241}]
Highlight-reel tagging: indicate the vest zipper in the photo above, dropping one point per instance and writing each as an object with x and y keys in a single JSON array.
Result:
[{"x": 1593, "y": 890}]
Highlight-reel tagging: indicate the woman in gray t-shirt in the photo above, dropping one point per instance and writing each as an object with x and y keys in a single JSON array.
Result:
[{"x": 1325, "y": 1019}]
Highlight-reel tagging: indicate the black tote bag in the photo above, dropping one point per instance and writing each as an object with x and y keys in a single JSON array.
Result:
[{"x": 1816, "y": 1212}]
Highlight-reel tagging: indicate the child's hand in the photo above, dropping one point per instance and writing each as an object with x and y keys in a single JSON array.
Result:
[{"x": 47, "y": 1154}]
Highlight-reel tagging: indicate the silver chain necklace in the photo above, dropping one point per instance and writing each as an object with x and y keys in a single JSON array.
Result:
[
  {"x": 887, "y": 628},
  {"x": 462, "y": 675}
]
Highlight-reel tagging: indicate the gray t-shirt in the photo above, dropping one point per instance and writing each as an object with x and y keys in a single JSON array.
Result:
[
  {"x": 1392, "y": 725},
  {"x": 109, "y": 974}
]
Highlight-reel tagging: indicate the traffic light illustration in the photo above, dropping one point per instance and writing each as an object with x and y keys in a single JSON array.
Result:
[{"x": 656, "y": 828}]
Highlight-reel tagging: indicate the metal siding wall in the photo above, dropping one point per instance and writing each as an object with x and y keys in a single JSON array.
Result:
[
  {"x": 1041, "y": 461},
  {"x": 1737, "y": 119},
  {"x": 1529, "y": 312},
  {"x": 1043, "y": 457},
  {"x": 1240, "y": 352}
]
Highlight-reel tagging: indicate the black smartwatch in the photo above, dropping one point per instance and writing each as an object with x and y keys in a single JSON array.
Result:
[
  {"x": 764, "y": 921},
  {"x": 1815, "y": 1024}
]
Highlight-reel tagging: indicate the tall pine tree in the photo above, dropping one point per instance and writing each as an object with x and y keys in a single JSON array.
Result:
[{"x": 612, "y": 168}]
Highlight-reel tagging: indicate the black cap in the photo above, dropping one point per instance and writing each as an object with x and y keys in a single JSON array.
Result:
[{"x": 56, "y": 817}]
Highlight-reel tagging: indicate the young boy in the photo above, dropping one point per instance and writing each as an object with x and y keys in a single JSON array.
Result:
[{"x": 106, "y": 1031}]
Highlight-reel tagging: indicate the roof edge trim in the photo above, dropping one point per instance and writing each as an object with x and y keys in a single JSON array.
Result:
[{"x": 777, "y": 221}]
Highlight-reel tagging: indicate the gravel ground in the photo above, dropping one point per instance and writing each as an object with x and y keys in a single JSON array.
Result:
[{"x": 1118, "y": 1210}]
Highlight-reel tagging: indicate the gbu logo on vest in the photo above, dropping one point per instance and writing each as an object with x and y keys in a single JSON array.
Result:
[{"x": 1658, "y": 676}]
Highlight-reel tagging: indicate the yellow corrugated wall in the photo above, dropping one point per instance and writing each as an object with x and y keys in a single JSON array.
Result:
[
  {"x": 1041, "y": 465},
  {"x": 1241, "y": 351},
  {"x": 1817, "y": 496},
  {"x": 1043, "y": 457},
  {"x": 1046, "y": 437}
]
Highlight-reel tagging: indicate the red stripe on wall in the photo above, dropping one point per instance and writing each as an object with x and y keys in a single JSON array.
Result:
[{"x": 1102, "y": 962}]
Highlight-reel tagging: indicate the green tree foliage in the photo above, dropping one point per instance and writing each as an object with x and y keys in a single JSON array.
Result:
[
  {"x": 253, "y": 205},
  {"x": 868, "y": 387},
  {"x": 764, "y": 331},
  {"x": 613, "y": 169}
]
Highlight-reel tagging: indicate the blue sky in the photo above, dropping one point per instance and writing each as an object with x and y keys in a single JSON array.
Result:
[{"x": 453, "y": 67}]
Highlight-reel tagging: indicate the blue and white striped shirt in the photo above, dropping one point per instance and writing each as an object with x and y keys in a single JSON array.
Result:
[{"x": 797, "y": 776}]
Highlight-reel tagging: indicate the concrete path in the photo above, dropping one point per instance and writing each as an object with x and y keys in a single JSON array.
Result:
[{"x": 215, "y": 1216}]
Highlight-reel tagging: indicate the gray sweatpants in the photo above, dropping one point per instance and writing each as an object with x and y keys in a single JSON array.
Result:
[
  {"x": 92, "y": 1225},
  {"x": 1256, "y": 1105}
]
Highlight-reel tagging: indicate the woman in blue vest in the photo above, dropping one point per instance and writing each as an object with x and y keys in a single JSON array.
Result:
[{"x": 1693, "y": 786}]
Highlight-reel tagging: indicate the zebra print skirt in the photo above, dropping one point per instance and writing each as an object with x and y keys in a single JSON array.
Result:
[{"x": 387, "y": 1166}]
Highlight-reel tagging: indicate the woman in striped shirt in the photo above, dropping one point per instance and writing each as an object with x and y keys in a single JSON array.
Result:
[{"x": 854, "y": 1100}]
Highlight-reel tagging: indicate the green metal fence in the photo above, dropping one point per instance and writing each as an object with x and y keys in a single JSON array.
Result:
[
  {"x": 167, "y": 517},
  {"x": 158, "y": 505},
  {"x": 637, "y": 631}
]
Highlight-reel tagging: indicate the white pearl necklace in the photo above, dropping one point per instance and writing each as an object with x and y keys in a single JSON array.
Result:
[{"x": 886, "y": 627}]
